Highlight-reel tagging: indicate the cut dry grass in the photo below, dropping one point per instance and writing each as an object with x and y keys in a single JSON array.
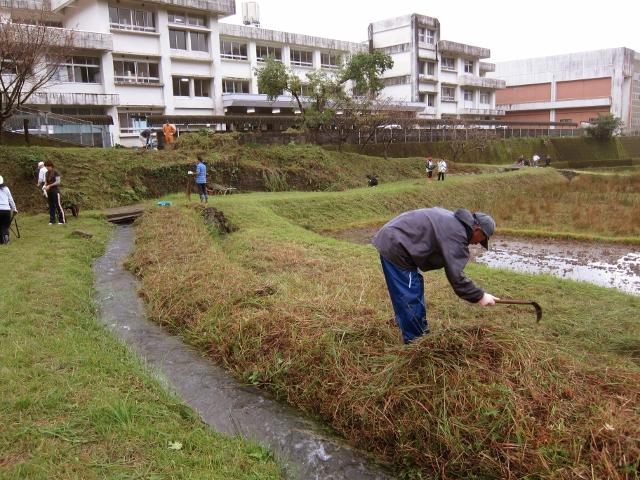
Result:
[{"x": 488, "y": 395}]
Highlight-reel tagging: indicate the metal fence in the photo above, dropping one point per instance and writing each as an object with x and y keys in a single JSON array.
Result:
[{"x": 59, "y": 127}]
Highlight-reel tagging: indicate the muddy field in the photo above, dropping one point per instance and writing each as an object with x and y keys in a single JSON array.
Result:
[{"x": 607, "y": 265}]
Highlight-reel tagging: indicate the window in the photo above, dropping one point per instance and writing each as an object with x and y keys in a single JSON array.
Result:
[
  {"x": 235, "y": 86},
  {"x": 201, "y": 87},
  {"x": 329, "y": 60},
  {"x": 127, "y": 19},
  {"x": 430, "y": 37},
  {"x": 181, "y": 86},
  {"x": 301, "y": 58},
  {"x": 468, "y": 95},
  {"x": 263, "y": 51},
  {"x": 448, "y": 93},
  {"x": 198, "y": 41},
  {"x": 305, "y": 90},
  {"x": 429, "y": 99},
  {"x": 185, "y": 40},
  {"x": 565, "y": 120},
  {"x": 468, "y": 66},
  {"x": 427, "y": 68},
  {"x": 80, "y": 70},
  {"x": 448, "y": 63},
  {"x": 233, "y": 50},
  {"x": 135, "y": 71},
  {"x": 421, "y": 35},
  {"x": 134, "y": 122},
  {"x": 178, "y": 39},
  {"x": 182, "y": 18},
  {"x": 485, "y": 98}
]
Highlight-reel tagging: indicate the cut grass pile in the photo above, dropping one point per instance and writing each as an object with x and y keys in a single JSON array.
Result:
[
  {"x": 488, "y": 395},
  {"x": 74, "y": 401}
]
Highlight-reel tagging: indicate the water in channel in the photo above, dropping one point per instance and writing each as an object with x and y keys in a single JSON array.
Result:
[{"x": 300, "y": 446}]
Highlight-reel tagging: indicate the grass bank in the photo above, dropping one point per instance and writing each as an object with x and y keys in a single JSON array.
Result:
[
  {"x": 74, "y": 401},
  {"x": 488, "y": 395},
  {"x": 102, "y": 178}
]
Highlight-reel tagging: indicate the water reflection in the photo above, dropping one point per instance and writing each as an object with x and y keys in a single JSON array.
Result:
[{"x": 608, "y": 266}]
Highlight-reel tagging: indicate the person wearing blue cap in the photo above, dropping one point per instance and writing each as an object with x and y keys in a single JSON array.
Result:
[{"x": 430, "y": 239}]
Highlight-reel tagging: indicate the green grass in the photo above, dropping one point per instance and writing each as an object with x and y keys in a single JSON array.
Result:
[
  {"x": 74, "y": 401},
  {"x": 490, "y": 393}
]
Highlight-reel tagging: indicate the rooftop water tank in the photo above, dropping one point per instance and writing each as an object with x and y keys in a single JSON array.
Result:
[{"x": 251, "y": 14}]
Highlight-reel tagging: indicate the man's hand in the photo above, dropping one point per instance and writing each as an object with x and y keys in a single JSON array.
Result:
[{"x": 487, "y": 300}]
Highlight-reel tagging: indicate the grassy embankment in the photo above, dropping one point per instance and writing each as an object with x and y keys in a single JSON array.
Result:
[
  {"x": 74, "y": 401},
  {"x": 488, "y": 395}
]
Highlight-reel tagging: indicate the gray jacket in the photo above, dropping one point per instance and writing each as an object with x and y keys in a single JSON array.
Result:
[{"x": 429, "y": 239}]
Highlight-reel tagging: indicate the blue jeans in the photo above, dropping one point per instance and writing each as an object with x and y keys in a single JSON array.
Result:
[{"x": 406, "y": 289}]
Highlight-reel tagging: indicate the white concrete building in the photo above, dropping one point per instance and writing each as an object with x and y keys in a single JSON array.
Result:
[
  {"x": 448, "y": 78},
  {"x": 136, "y": 59},
  {"x": 575, "y": 87}
]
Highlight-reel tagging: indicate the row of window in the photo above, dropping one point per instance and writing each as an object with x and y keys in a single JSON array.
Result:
[
  {"x": 446, "y": 64},
  {"x": 196, "y": 40},
  {"x": 449, "y": 95},
  {"x": 143, "y": 21}
]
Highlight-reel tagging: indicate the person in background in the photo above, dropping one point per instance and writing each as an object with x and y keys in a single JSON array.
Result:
[
  {"x": 145, "y": 138},
  {"x": 6, "y": 206},
  {"x": 52, "y": 187},
  {"x": 201, "y": 179},
  {"x": 536, "y": 159},
  {"x": 430, "y": 167},
  {"x": 430, "y": 239},
  {"x": 373, "y": 181},
  {"x": 547, "y": 161},
  {"x": 442, "y": 167},
  {"x": 169, "y": 131},
  {"x": 42, "y": 174}
]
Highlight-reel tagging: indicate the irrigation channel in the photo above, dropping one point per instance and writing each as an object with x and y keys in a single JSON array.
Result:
[{"x": 300, "y": 446}]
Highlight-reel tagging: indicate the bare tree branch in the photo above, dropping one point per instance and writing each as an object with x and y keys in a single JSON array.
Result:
[{"x": 31, "y": 51}]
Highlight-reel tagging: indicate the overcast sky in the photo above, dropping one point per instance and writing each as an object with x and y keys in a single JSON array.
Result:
[{"x": 510, "y": 29}]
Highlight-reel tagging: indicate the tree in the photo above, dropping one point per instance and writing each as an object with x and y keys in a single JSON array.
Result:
[
  {"x": 318, "y": 94},
  {"x": 31, "y": 52},
  {"x": 464, "y": 138},
  {"x": 605, "y": 127}
]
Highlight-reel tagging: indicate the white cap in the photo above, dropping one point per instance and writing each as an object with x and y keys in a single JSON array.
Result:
[
  {"x": 1, "y": 180},
  {"x": 40, "y": 164}
]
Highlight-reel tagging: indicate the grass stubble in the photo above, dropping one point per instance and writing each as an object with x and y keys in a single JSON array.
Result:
[
  {"x": 488, "y": 395},
  {"x": 74, "y": 401}
]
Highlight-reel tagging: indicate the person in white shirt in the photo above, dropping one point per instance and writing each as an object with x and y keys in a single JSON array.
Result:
[
  {"x": 442, "y": 167},
  {"x": 6, "y": 206},
  {"x": 536, "y": 159},
  {"x": 42, "y": 173}
]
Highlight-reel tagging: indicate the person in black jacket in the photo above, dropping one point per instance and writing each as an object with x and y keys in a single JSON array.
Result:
[
  {"x": 430, "y": 239},
  {"x": 373, "y": 181}
]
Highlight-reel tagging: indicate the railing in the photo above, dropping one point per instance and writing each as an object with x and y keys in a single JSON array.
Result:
[{"x": 59, "y": 127}]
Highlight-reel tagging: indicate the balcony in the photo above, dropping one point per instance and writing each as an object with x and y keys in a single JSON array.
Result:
[
  {"x": 487, "y": 67},
  {"x": 480, "y": 111},
  {"x": 482, "y": 82},
  {"x": 91, "y": 99},
  {"x": 462, "y": 49},
  {"x": 93, "y": 40},
  {"x": 221, "y": 7},
  {"x": 61, "y": 37},
  {"x": 427, "y": 79}
]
